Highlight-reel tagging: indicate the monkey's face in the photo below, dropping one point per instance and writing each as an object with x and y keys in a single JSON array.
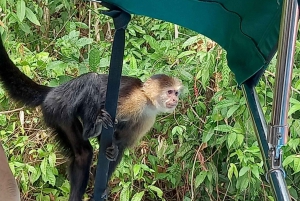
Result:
[{"x": 169, "y": 100}]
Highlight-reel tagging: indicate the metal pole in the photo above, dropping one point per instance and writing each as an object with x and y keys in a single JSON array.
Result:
[
  {"x": 278, "y": 131},
  {"x": 276, "y": 177},
  {"x": 286, "y": 48}
]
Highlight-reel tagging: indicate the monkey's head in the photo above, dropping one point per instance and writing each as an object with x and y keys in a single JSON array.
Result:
[{"x": 163, "y": 91}]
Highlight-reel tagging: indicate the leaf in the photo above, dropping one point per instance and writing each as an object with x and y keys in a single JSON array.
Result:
[
  {"x": 35, "y": 176},
  {"x": 81, "y": 25},
  {"x": 288, "y": 160},
  {"x": 232, "y": 110},
  {"x": 133, "y": 63},
  {"x": 138, "y": 29},
  {"x": 232, "y": 170},
  {"x": 158, "y": 191},
  {"x": 242, "y": 183},
  {"x": 223, "y": 128},
  {"x": 104, "y": 62},
  {"x": 32, "y": 17},
  {"x": 24, "y": 26},
  {"x": 186, "y": 53},
  {"x": 21, "y": 8},
  {"x": 205, "y": 77},
  {"x": 224, "y": 104},
  {"x": 190, "y": 41},
  {"x": 152, "y": 42},
  {"x": 200, "y": 178},
  {"x": 52, "y": 159},
  {"x": 94, "y": 59},
  {"x": 43, "y": 166},
  {"x": 207, "y": 136},
  {"x": 244, "y": 170},
  {"x": 231, "y": 139},
  {"x": 255, "y": 171},
  {"x": 296, "y": 165},
  {"x": 294, "y": 109},
  {"x": 50, "y": 177},
  {"x": 125, "y": 193},
  {"x": 84, "y": 41},
  {"x": 138, "y": 196},
  {"x": 136, "y": 169}
]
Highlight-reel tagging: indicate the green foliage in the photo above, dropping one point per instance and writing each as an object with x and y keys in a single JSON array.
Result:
[{"x": 206, "y": 150}]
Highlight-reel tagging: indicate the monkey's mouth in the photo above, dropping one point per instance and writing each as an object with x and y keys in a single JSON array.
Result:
[{"x": 171, "y": 106}]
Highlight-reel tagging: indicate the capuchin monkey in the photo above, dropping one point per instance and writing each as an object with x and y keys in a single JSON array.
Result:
[{"x": 75, "y": 111}]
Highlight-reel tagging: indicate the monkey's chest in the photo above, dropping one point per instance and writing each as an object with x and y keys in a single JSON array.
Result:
[{"x": 134, "y": 131}]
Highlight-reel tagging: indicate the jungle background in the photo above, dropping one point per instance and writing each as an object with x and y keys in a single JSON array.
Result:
[{"x": 205, "y": 151}]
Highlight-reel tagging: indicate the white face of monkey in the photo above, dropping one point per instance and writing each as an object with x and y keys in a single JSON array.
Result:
[{"x": 168, "y": 100}]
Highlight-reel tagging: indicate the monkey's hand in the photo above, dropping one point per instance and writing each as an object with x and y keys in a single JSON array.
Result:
[
  {"x": 112, "y": 152},
  {"x": 103, "y": 120}
]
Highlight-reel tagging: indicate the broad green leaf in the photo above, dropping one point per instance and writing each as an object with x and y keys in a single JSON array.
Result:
[
  {"x": 232, "y": 110},
  {"x": 34, "y": 176},
  {"x": 223, "y": 128},
  {"x": 81, "y": 25},
  {"x": 232, "y": 171},
  {"x": 200, "y": 178},
  {"x": 43, "y": 166},
  {"x": 231, "y": 139},
  {"x": 94, "y": 59},
  {"x": 255, "y": 171},
  {"x": 184, "y": 54},
  {"x": 32, "y": 17},
  {"x": 24, "y": 26},
  {"x": 21, "y": 9},
  {"x": 84, "y": 41},
  {"x": 2, "y": 120},
  {"x": 207, "y": 136},
  {"x": 136, "y": 169},
  {"x": 52, "y": 159},
  {"x": 244, "y": 170},
  {"x": 158, "y": 191},
  {"x": 242, "y": 183},
  {"x": 152, "y": 42},
  {"x": 296, "y": 165},
  {"x": 294, "y": 109},
  {"x": 125, "y": 194},
  {"x": 288, "y": 160},
  {"x": 190, "y": 41},
  {"x": 138, "y": 29},
  {"x": 104, "y": 62},
  {"x": 138, "y": 196},
  {"x": 50, "y": 177},
  {"x": 133, "y": 63},
  {"x": 224, "y": 104}
]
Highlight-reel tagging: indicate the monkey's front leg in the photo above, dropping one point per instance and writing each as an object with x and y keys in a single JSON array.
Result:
[{"x": 94, "y": 128}]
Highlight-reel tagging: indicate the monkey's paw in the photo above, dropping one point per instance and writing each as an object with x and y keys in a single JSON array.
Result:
[
  {"x": 112, "y": 152},
  {"x": 104, "y": 119}
]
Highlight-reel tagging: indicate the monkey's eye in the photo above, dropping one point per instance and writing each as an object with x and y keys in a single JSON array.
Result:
[
  {"x": 170, "y": 91},
  {"x": 176, "y": 93}
]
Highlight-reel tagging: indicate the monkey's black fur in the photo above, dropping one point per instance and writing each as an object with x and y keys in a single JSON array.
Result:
[{"x": 73, "y": 110}]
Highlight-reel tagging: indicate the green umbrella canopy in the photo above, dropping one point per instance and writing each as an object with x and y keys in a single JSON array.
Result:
[{"x": 247, "y": 29}]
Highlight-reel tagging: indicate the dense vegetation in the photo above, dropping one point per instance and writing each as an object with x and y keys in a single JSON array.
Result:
[{"x": 206, "y": 150}]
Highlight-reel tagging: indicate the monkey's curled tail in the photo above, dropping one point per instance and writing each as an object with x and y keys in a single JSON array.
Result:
[{"x": 20, "y": 87}]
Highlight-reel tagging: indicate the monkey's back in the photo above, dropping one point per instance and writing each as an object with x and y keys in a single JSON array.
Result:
[{"x": 83, "y": 94}]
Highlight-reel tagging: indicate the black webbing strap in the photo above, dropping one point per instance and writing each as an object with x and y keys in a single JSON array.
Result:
[{"x": 121, "y": 19}]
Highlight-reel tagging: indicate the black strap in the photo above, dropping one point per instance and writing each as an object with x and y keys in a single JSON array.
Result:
[{"x": 121, "y": 19}]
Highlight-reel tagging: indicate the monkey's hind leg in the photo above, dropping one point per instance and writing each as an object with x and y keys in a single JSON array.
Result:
[
  {"x": 80, "y": 162},
  {"x": 112, "y": 152}
]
